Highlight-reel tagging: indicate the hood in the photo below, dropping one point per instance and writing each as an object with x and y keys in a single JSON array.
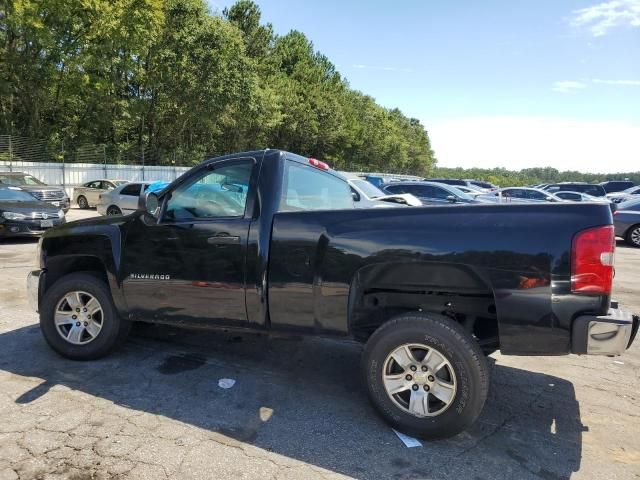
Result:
[{"x": 27, "y": 206}]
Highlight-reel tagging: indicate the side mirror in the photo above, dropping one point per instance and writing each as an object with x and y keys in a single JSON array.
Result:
[
  {"x": 451, "y": 198},
  {"x": 355, "y": 196},
  {"x": 152, "y": 204}
]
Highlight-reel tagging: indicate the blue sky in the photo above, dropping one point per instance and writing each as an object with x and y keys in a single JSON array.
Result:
[{"x": 504, "y": 83}]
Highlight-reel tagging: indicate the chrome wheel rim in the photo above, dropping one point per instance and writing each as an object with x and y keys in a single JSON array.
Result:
[
  {"x": 420, "y": 380},
  {"x": 82, "y": 202},
  {"x": 635, "y": 236},
  {"x": 78, "y": 318}
]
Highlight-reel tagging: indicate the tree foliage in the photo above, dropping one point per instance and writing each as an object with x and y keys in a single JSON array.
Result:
[{"x": 167, "y": 76}]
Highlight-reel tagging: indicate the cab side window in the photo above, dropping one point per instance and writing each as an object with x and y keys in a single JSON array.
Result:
[
  {"x": 221, "y": 192},
  {"x": 308, "y": 188}
]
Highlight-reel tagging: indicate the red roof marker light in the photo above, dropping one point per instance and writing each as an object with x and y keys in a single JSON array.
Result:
[{"x": 318, "y": 164}]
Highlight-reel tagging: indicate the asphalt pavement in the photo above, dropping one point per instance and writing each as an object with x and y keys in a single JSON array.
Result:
[{"x": 154, "y": 409}]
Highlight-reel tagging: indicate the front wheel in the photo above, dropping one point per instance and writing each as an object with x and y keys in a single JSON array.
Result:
[
  {"x": 78, "y": 318},
  {"x": 426, "y": 375},
  {"x": 633, "y": 236}
]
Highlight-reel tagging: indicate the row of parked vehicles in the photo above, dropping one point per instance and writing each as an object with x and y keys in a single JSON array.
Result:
[{"x": 47, "y": 205}]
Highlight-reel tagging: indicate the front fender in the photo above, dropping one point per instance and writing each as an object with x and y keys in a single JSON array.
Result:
[{"x": 86, "y": 245}]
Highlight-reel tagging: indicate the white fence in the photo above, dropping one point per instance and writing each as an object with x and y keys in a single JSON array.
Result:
[{"x": 69, "y": 175}]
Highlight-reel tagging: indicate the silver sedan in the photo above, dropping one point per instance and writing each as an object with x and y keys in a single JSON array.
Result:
[
  {"x": 121, "y": 200},
  {"x": 626, "y": 221},
  {"x": 87, "y": 195}
]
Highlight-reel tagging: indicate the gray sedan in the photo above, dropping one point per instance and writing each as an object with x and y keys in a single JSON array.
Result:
[{"x": 627, "y": 222}]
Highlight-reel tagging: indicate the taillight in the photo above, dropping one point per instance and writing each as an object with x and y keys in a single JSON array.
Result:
[
  {"x": 318, "y": 164},
  {"x": 592, "y": 255}
]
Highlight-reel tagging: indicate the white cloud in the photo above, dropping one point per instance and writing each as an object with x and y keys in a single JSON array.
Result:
[
  {"x": 567, "y": 86},
  {"x": 360, "y": 66},
  {"x": 600, "y": 18},
  {"x": 631, "y": 83},
  {"x": 522, "y": 142}
]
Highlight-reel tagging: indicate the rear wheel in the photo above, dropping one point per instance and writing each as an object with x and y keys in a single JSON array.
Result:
[
  {"x": 82, "y": 202},
  {"x": 633, "y": 236},
  {"x": 426, "y": 375},
  {"x": 78, "y": 318},
  {"x": 113, "y": 210}
]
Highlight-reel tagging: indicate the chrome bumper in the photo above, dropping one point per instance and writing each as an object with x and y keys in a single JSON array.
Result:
[
  {"x": 608, "y": 334},
  {"x": 33, "y": 289}
]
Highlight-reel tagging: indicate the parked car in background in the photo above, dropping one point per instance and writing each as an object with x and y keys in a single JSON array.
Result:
[
  {"x": 623, "y": 196},
  {"x": 56, "y": 196},
  {"x": 583, "y": 197},
  {"x": 86, "y": 195},
  {"x": 589, "y": 188},
  {"x": 486, "y": 186},
  {"x": 122, "y": 200},
  {"x": 626, "y": 221},
  {"x": 482, "y": 185},
  {"x": 520, "y": 195},
  {"x": 430, "y": 193},
  {"x": 366, "y": 195},
  {"x": 613, "y": 186},
  {"x": 21, "y": 215}
]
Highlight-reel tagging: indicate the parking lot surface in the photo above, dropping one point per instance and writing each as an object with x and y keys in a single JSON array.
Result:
[{"x": 154, "y": 408}]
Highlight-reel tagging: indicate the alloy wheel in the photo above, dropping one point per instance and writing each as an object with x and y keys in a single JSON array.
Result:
[
  {"x": 78, "y": 318},
  {"x": 420, "y": 380}
]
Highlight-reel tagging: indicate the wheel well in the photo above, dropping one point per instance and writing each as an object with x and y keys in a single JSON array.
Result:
[
  {"x": 454, "y": 291},
  {"x": 59, "y": 267}
]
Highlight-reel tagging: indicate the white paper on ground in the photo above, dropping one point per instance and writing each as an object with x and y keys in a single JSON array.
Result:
[
  {"x": 408, "y": 441},
  {"x": 618, "y": 362},
  {"x": 226, "y": 382}
]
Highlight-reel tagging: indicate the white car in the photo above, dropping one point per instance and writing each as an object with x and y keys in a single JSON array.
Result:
[
  {"x": 86, "y": 195},
  {"x": 121, "y": 200},
  {"x": 367, "y": 195},
  {"x": 628, "y": 194}
]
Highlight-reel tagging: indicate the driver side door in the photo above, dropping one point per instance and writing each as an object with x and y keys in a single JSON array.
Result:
[{"x": 188, "y": 266}]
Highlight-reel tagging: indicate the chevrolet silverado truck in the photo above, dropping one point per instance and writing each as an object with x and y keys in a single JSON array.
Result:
[{"x": 271, "y": 241}]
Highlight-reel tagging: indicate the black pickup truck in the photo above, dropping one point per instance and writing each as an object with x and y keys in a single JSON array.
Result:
[{"x": 269, "y": 240}]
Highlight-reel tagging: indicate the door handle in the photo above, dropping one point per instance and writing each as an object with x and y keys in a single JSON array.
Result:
[{"x": 223, "y": 239}]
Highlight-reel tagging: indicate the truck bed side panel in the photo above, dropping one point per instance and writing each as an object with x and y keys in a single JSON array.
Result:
[{"x": 521, "y": 252}]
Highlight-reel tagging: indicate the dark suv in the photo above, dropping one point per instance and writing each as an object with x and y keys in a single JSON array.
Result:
[
  {"x": 56, "y": 196},
  {"x": 613, "y": 186}
]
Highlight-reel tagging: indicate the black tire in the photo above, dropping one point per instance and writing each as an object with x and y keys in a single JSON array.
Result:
[
  {"x": 114, "y": 210},
  {"x": 82, "y": 202},
  {"x": 458, "y": 347},
  {"x": 114, "y": 329},
  {"x": 633, "y": 231}
]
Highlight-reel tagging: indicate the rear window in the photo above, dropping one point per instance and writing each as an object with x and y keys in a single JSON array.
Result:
[
  {"x": 131, "y": 190},
  {"x": 307, "y": 188}
]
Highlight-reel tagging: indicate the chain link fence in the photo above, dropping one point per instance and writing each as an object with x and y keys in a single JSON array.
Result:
[{"x": 22, "y": 149}]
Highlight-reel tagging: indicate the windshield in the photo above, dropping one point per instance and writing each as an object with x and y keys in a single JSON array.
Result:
[
  {"x": 629, "y": 204},
  {"x": 19, "y": 180},
  {"x": 368, "y": 189},
  {"x": 459, "y": 193},
  {"x": 117, "y": 183},
  {"x": 12, "y": 195},
  {"x": 631, "y": 189}
]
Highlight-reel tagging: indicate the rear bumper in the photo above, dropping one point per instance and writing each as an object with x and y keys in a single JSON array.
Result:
[{"x": 609, "y": 334}]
